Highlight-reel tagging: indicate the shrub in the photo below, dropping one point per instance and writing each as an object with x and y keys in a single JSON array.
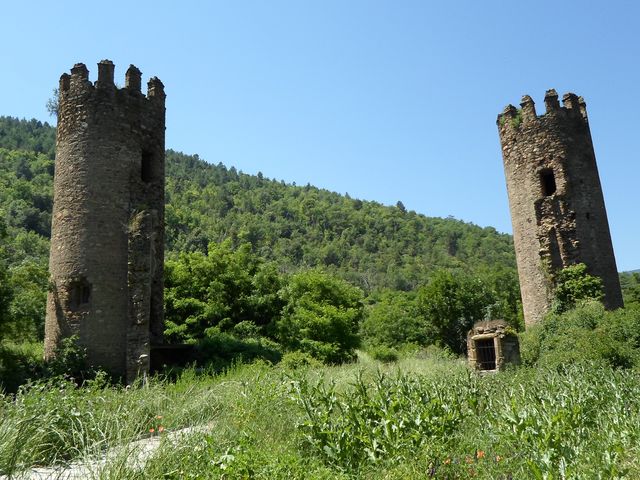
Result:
[
  {"x": 394, "y": 321},
  {"x": 573, "y": 285},
  {"x": 531, "y": 344},
  {"x": 296, "y": 360},
  {"x": 321, "y": 316},
  {"x": 70, "y": 359},
  {"x": 221, "y": 349},
  {"x": 384, "y": 354},
  {"x": 587, "y": 333},
  {"x": 19, "y": 363},
  {"x": 246, "y": 329}
]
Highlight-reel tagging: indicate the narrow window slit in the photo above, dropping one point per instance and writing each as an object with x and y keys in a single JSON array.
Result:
[{"x": 146, "y": 166}]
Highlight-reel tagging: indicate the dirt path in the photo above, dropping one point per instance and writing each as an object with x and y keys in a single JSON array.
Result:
[{"x": 137, "y": 454}]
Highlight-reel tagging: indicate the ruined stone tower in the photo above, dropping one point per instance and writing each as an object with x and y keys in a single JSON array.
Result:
[
  {"x": 107, "y": 234},
  {"x": 556, "y": 201}
]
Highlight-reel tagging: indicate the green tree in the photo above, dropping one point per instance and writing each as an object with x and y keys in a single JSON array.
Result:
[
  {"x": 321, "y": 316},
  {"x": 452, "y": 302},
  {"x": 504, "y": 286},
  {"x": 394, "y": 320},
  {"x": 27, "y": 307},
  {"x": 630, "y": 283},
  {"x": 6, "y": 292},
  {"x": 222, "y": 288}
]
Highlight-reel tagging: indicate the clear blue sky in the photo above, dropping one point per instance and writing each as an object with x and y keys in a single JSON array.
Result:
[{"x": 386, "y": 100}]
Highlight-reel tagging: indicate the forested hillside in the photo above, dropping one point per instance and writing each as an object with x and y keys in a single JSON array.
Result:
[
  {"x": 374, "y": 247},
  {"x": 370, "y": 244}
]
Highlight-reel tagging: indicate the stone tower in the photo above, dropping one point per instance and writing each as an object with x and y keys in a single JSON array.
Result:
[
  {"x": 107, "y": 234},
  {"x": 556, "y": 201}
]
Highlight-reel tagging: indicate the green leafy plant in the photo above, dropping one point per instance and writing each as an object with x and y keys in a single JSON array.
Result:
[
  {"x": 70, "y": 359},
  {"x": 574, "y": 284},
  {"x": 380, "y": 420}
]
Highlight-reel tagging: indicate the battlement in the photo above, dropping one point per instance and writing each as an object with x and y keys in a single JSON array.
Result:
[
  {"x": 573, "y": 107},
  {"x": 78, "y": 82}
]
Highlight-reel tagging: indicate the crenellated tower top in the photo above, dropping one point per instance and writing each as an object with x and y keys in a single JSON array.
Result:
[
  {"x": 78, "y": 82},
  {"x": 573, "y": 108}
]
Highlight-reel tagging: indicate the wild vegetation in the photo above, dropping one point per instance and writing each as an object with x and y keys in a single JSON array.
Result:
[
  {"x": 328, "y": 334},
  {"x": 423, "y": 417},
  {"x": 271, "y": 266}
]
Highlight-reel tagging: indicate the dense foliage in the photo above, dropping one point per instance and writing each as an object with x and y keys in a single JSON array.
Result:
[
  {"x": 587, "y": 333},
  {"x": 27, "y": 135},
  {"x": 25, "y": 217},
  {"x": 220, "y": 289},
  {"x": 238, "y": 293},
  {"x": 235, "y": 243},
  {"x": 364, "y": 242},
  {"x": 393, "y": 320},
  {"x": 321, "y": 316},
  {"x": 443, "y": 310},
  {"x": 573, "y": 285},
  {"x": 630, "y": 283}
]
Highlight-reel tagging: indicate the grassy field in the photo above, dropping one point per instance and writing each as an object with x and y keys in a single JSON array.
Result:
[{"x": 423, "y": 417}]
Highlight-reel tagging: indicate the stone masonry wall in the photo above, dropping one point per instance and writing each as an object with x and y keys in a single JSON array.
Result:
[
  {"x": 556, "y": 201},
  {"x": 109, "y": 168}
]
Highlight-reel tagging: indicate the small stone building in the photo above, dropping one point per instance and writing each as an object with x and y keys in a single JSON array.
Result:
[{"x": 491, "y": 345}]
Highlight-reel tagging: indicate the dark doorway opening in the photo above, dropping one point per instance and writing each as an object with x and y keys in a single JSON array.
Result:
[
  {"x": 486, "y": 354},
  {"x": 548, "y": 181}
]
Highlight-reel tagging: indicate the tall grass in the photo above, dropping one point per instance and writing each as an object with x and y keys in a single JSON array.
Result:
[
  {"x": 418, "y": 418},
  {"x": 54, "y": 421}
]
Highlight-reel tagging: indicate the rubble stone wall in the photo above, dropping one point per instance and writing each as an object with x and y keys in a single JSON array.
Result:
[
  {"x": 109, "y": 169},
  {"x": 556, "y": 201}
]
